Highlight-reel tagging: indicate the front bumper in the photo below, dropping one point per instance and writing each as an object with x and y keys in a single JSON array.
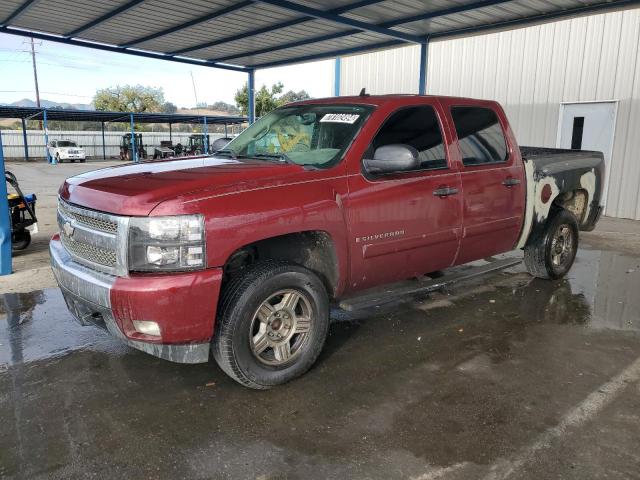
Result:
[
  {"x": 183, "y": 305},
  {"x": 72, "y": 156}
]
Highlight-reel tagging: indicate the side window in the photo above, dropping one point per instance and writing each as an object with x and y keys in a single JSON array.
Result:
[
  {"x": 418, "y": 127},
  {"x": 480, "y": 135}
]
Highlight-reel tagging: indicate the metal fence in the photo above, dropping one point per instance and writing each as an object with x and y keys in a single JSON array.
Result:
[{"x": 91, "y": 141}]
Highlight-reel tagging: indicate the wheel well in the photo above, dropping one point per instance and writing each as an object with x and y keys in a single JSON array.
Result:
[
  {"x": 575, "y": 201},
  {"x": 312, "y": 249}
]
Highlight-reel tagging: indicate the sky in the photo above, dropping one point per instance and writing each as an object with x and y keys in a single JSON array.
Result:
[{"x": 72, "y": 74}]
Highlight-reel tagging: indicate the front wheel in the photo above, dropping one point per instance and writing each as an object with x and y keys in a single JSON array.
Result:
[
  {"x": 272, "y": 324},
  {"x": 552, "y": 253}
]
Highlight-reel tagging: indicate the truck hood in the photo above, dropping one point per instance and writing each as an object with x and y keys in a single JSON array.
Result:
[{"x": 137, "y": 189}]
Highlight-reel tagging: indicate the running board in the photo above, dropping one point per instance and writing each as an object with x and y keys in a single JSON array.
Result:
[{"x": 391, "y": 293}]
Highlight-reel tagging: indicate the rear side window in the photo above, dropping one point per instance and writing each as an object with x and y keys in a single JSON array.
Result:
[
  {"x": 418, "y": 127},
  {"x": 480, "y": 135}
]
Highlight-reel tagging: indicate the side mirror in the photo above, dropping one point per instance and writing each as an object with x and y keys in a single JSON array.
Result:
[{"x": 392, "y": 158}]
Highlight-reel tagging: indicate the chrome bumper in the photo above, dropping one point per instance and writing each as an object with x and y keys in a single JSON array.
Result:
[{"x": 87, "y": 294}]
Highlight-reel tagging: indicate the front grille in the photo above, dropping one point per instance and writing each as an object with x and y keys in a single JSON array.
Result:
[
  {"x": 93, "y": 238},
  {"x": 90, "y": 219},
  {"x": 88, "y": 252}
]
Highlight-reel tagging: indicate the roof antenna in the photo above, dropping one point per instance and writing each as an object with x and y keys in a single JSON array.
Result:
[{"x": 363, "y": 92}]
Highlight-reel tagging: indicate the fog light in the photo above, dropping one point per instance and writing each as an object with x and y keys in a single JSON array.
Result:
[{"x": 146, "y": 327}]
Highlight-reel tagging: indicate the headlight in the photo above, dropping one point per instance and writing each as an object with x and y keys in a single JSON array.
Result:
[{"x": 166, "y": 243}]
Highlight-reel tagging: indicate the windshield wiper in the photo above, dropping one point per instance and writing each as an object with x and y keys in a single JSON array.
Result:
[
  {"x": 283, "y": 157},
  {"x": 226, "y": 151}
]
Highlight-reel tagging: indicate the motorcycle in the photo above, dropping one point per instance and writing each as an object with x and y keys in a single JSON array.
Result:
[{"x": 22, "y": 211}]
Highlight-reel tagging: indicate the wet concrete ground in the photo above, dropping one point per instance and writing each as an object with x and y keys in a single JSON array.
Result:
[{"x": 507, "y": 377}]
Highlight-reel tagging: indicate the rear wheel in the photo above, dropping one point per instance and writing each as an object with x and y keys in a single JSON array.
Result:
[
  {"x": 272, "y": 324},
  {"x": 58, "y": 159},
  {"x": 552, "y": 253}
]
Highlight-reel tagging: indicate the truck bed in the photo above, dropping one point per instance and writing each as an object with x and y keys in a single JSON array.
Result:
[{"x": 531, "y": 153}]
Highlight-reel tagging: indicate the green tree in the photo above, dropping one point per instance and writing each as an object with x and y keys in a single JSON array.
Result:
[
  {"x": 266, "y": 99},
  {"x": 169, "y": 107},
  {"x": 292, "y": 96},
  {"x": 129, "y": 98}
]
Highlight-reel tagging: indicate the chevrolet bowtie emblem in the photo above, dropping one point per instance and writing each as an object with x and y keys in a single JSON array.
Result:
[{"x": 68, "y": 229}]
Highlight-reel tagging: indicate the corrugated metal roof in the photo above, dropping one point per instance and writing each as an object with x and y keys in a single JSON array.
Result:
[{"x": 260, "y": 33}]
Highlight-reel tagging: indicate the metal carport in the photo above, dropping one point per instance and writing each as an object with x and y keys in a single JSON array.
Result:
[
  {"x": 248, "y": 35},
  {"x": 45, "y": 115}
]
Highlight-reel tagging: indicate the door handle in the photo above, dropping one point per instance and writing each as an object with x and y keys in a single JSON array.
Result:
[
  {"x": 445, "y": 191},
  {"x": 510, "y": 182}
]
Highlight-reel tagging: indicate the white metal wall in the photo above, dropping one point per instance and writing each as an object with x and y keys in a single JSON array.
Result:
[{"x": 531, "y": 71}]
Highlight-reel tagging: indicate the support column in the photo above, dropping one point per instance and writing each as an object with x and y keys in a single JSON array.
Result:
[
  {"x": 133, "y": 140},
  {"x": 424, "y": 53},
  {"x": 205, "y": 141},
  {"x": 226, "y": 131},
  {"x": 336, "y": 77},
  {"x": 104, "y": 147},
  {"x": 24, "y": 140},
  {"x": 251, "y": 87},
  {"x": 170, "y": 134},
  {"x": 50, "y": 159},
  {"x": 5, "y": 221}
]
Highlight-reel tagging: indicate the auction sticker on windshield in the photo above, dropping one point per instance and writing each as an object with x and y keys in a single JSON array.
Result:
[{"x": 340, "y": 118}]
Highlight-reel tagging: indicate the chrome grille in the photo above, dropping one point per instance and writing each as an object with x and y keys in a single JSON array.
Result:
[
  {"x": 95, "y": 239},
  {"x": 88, "y": 252},
  {"x": 90, "y": 218}
]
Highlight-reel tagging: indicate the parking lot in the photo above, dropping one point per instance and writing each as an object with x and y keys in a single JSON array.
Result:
[{"x": 502, "y": 377}]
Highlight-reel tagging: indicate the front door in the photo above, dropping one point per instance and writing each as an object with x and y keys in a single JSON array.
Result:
[
  {"x": 589, "y": 126},
  {"x": 400, "y": 227}
]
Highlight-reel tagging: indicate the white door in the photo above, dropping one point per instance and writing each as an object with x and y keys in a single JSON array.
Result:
[{"x": 589, "y": 126}]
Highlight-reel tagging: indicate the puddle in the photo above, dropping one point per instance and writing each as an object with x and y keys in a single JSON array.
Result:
[
  {"x": 37, "y": 325},
  {"x": 610, "y": 285},
  {"x": 601, "y": 291}
]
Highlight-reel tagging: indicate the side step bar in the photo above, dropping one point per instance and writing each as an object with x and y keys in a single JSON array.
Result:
[{"x": 391, "y": 293}]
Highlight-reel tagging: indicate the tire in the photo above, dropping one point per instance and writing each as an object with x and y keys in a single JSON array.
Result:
[
  {"x": 234, "y": 344},
  {"x": 21, "y": 240},
  {"x": 58, "y": 159},
  {"x": 83, "y": 160},
  {"x": 551, "y": 253}
]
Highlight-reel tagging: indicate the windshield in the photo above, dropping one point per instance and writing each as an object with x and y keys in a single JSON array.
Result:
[
  {"x": 67, "y": 144},
  {"x": 315, "y": 135}
]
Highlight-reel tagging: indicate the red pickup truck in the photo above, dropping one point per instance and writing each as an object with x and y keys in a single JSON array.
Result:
[{"x": 241, "y": 253}]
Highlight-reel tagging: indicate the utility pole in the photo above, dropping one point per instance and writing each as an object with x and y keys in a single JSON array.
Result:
[
  {"x": 195, "y": 93},
  {"x": 35, "y": 75}
]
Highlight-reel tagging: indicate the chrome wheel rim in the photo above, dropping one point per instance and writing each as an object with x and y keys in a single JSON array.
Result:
[
  {"x": 561, "y": 246},
  {"x": 280, "y": 327}
]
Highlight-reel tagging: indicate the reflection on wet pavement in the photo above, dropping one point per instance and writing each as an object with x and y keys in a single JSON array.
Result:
[{"x": 457, "y": 381}]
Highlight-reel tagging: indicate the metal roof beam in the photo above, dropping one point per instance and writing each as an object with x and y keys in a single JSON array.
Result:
[
  {"x": 344, "y": 21},
  {"x": 213, "y": 15},
  {"x": 18, "y": 11},
  {"x": 444, "y": 12},
  {"x": 271, "y": 28},
  {"x": 107, "y": 16},
  {"x": 113, "y": 48},
  {"x": 346, "y": 33},
  {"x": 332, "y": 54},
  {"x": 570, "y": 12},
  {"x": 612, "y": 5}
]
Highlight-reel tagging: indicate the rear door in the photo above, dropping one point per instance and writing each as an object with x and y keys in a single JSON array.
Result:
[
  {"x": 492, "y": 180},
  {"x": 398, "y": 227}
]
